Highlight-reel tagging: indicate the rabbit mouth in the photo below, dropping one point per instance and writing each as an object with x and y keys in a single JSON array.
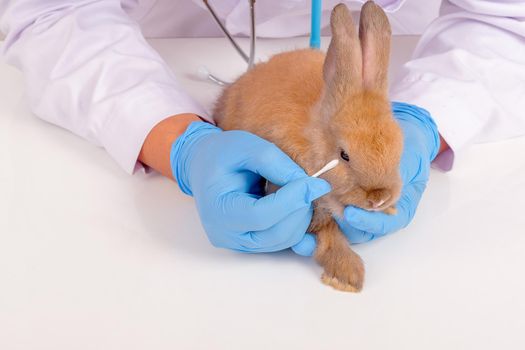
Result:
[
  {"x": 379, "y": 206},
  {"x": 386, "y": 205},
  {"x": 378, "y": 209}
]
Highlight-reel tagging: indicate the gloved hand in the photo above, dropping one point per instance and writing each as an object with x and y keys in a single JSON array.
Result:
[
  {"x": 224, "y": 171},
  {"x": 421, "y": 145}
]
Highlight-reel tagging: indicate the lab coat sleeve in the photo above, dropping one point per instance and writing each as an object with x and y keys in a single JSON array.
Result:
[
  {"x": 88, "y": 69},
  {"x": 468, "y": 71}
]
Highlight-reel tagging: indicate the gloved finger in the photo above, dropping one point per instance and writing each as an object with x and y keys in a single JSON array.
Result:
[
  {"x": 353, "y": 234},
  {"x": 240, "y": 182},
  {"x": 244, "y": 212},
  {"x": 269, "y": 161},
  {"x": 379, "y": 223},
  {"x": 413, "y": 168},
  {"x": 282, "y": 235},
  {"x": 306, "y": 246}
]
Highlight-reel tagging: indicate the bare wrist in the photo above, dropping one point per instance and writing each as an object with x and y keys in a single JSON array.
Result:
[
  {"x": 156, "y": 148},
  {"x": 443, "y": 145}
]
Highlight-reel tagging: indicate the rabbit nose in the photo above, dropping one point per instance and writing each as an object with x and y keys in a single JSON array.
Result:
[{"x": 377, "y": 197}]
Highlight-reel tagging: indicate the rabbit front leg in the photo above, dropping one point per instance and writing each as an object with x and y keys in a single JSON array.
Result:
[{"x": 343, "y": 268}]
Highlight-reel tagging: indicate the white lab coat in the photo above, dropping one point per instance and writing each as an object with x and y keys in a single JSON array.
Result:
[{"x": 88, "y": 68}]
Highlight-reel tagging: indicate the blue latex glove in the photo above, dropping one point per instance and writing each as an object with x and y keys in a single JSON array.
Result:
[
  {"x": 421, "y": 145},
  {"x": 223, "y": 170}
]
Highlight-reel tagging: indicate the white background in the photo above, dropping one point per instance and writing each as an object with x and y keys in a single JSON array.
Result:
[{"x": 91, "y": 258}]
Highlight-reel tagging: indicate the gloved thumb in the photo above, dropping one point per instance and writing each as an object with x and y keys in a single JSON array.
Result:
[{"x": 306, "y": 246}]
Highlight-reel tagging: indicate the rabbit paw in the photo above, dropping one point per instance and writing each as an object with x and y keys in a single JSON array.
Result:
[{"x": 346, "y": 275}]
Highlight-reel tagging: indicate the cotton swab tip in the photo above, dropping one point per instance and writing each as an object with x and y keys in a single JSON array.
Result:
[{"x": 329, "y": 166}]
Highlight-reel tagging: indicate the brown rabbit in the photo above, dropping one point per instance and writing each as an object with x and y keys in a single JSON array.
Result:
[{"x": 317, "y": 108}]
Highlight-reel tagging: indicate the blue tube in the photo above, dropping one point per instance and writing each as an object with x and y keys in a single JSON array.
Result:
[{"x": 315, "y": 32}]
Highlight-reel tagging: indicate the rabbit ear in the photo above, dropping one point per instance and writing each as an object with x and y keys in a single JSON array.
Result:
[
  {"x": 375, "y": 33},
  {"x": 342, "y": 65}
]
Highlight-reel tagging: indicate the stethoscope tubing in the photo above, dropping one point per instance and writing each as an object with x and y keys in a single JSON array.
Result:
[{"x": 315, "y": 37}]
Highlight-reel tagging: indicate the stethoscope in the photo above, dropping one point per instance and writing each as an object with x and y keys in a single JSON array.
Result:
[{"x": 315, "y": 37}]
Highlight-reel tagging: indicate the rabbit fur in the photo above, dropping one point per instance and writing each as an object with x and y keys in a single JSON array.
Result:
[{"x": 315, "y": 107}]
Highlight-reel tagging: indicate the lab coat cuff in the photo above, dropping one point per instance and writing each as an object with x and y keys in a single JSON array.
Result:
[{"x": 124, "y": 134}]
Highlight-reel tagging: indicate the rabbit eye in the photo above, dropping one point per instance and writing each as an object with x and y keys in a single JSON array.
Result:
[{"x": 345, "y": 156}]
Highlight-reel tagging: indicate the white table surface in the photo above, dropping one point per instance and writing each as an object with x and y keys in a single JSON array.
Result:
[{"x": 91, "y": 258}]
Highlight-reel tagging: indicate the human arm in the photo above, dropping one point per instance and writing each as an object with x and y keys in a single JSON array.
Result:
[
  {"x": 155, "y": 151},
  {"x": 88, "y": 69},
  {"x": 97, "y": 77},
  {"x": 468, "y": 71}
]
